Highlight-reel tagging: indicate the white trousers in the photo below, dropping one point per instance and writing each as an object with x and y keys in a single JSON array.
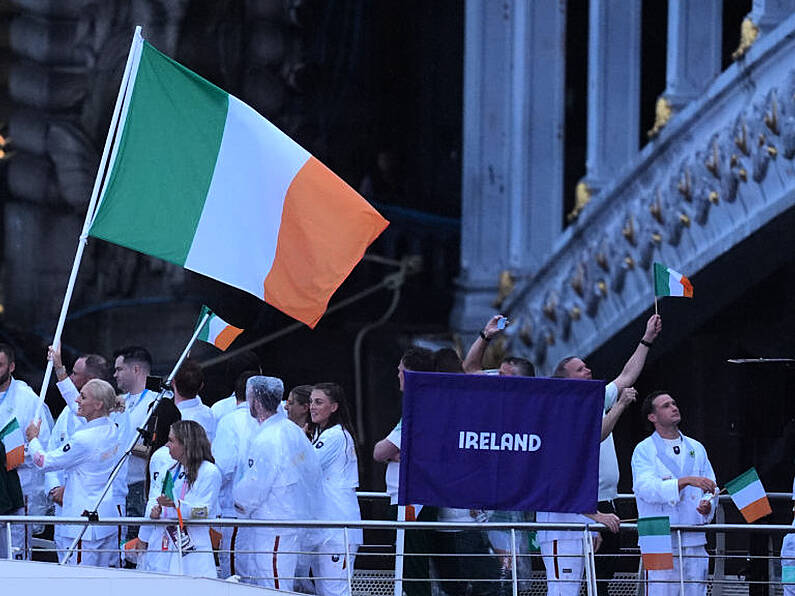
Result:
[
  {"x": 696, "y": 566},
  {"x": 21, "y": 535},
  {"x": 564, "y": 562},
  {"x": 95, "y": 553},
  {"x": 267, "y": 558},
  {"x": 226, "y": 555},
  {"x": 330, "y": 568}
]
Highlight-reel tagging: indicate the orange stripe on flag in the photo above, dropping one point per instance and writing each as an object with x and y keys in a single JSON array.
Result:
[
  {"x": 325, "y": 229},
  {"x": 687, "y": 287},
  {"x": 15, "y": 457},
  {"x": 757, "y": 509},
  {"x": 226, "y": 337},
  {"x": 658, "y": 561}
]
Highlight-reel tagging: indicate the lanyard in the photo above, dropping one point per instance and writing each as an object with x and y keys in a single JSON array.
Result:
[{"x": 138, "y": 401}]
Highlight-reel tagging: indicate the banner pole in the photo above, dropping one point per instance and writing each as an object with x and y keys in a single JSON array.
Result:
[
  {"x": 399, "y": 550},
  {"x": 83, "y": 240},
  {"x": 514, "y": 566}
]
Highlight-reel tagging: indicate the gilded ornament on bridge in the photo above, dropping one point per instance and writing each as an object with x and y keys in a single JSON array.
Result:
[
  {"x": 526, "y": 333},
  {"x": 550, "y": 307},
  {"x": 582, "y": 195},
  {"x": 662, "y": 114},
  {"x": 748, "y": 35},
  {"x": 628, "y": 231},
  {"x": 578, "y": 280},
  {"x": 741, "y": 140},
  {"x": 505, "y": 286},
  {"x": 771, "y": 118},
  {"x": 713, "y": 162},
  {"x": 685, "y": 186},
  {"x": 656, "y": 208}
]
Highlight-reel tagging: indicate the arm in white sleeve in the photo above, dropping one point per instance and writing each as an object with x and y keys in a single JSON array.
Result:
[
  {"x": 201, "y": 501},
  {"x": 54, "y": 479},
  {"x": 707, "y": 472},
  {"x": 69, "y": 393},
  {"x": 224, "y": 447},
  {"x": 646, "y": 482},
  {"x": 62, "y": 458},
  {"x": 329, "y": 446},
  {"x": 256, "y": 482}
]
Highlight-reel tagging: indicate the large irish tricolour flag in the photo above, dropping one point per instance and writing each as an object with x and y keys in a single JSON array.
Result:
[{"x": 198, "y": 178}]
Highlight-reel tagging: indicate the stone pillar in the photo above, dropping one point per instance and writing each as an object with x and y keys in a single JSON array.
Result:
[
  {"x": 514, "y": 76},
  {"x": 613, "y": 89},
  {"x": 694, "y": 48}
]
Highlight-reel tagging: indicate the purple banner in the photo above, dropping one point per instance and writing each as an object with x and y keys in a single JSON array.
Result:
[{"x": 507, "y": 443}]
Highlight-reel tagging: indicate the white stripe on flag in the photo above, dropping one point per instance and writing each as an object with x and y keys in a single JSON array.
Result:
[
  {"x": 749, "y": 494},
  {"x": 256, "y": 165},
  {"x": 656, "y": 543},
  {"x": 676, "y": 287}
]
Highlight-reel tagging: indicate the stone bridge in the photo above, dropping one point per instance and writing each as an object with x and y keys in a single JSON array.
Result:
[{"x": 711, "y": 194}]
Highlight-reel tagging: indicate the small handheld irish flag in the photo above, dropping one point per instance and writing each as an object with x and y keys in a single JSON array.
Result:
[
  {"x": 668, "y": 282},
  {"x": 654, "y": 539},
  {"x": 14, "y": 442},
  {"x": 217, "y": 331},
  {"x": 168, "y": 486},
  {"x": 749, "y": 495}
]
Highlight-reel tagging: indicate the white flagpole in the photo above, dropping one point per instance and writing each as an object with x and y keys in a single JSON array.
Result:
[{"x": 83, "y": 240}]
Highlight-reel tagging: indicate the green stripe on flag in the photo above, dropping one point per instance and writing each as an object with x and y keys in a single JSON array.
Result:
[
  {"x": 662, "y": 286},
  {"x": 166, "y": 158},
  {"x": 204, "y": 334},
  {"x": 9, "y": 428},
  {"x": 168, "y": 486},
  {"x": 654, "y": 526},
  {"x": 748, "y": 477},
  {"x": 787, "y": 574}
]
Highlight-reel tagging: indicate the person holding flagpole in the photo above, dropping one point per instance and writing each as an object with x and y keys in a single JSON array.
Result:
[
  {"x": 619, "y": 394},
  {"x": 89, "y": 458},
  {"x": 189, "y": 490},
  {"x": 86, "y": 367},
  {"x": 672, "y": 475}
]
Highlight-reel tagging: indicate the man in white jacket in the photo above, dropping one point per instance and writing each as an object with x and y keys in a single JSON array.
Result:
[
  {"x": 229, "y": 448},
  {"x": 672, "y": 475},
  {"x": 18, "y": 400},
  {"x": 281, "y": 480}
]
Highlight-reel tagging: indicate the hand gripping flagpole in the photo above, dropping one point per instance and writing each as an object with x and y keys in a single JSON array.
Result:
[
  {"x": 93, "y": 515},
  {"x": 110, "y": 141}
]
